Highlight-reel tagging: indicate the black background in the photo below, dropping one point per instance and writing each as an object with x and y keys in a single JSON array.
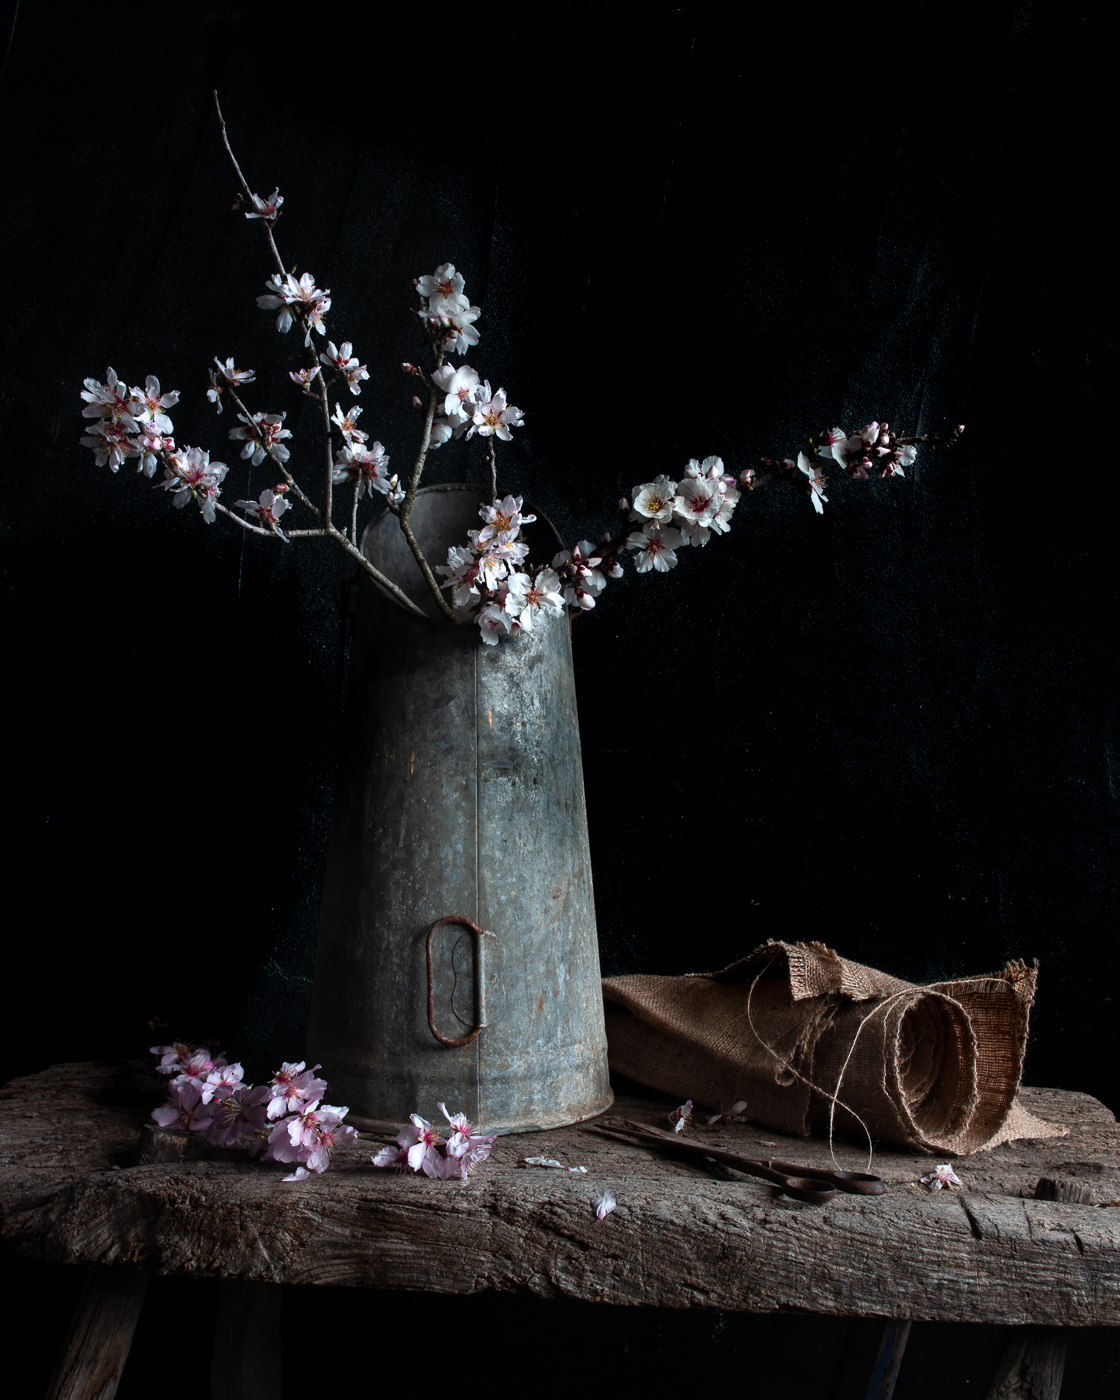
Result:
[{"x": 893, "y": 728}]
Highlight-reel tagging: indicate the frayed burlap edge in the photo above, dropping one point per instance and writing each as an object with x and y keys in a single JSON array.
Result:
[{"x": 788, "y": 1029}]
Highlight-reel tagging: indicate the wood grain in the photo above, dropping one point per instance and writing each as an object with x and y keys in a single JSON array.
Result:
[{"x": 680, "y": 1237}]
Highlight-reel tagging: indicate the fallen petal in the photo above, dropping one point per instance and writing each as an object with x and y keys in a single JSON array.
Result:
[
  {"x": 300, "y": 1174},
  {"x": 604, "y": 1202}
]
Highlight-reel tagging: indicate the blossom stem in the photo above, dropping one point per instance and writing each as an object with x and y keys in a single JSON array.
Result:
[
  {"x": 339, "y": 537},
  {"x": 325, "y": 404},
  {"x": 493, "y": 469},
  {"x": 265, "y": 223},
  {"x": 354, "y": 517}
]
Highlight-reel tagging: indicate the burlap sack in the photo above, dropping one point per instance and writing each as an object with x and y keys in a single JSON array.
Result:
[{"x": 808, "y": 1039}]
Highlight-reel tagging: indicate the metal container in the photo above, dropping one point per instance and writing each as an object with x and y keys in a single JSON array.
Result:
[{"x": 460, "y": 795}]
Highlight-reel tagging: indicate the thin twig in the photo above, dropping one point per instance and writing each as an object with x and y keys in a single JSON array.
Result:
[
  {"x": 265, "y": 223},
  {"x": 493, "y": 469},
  {"x": 354, "y": 515}
]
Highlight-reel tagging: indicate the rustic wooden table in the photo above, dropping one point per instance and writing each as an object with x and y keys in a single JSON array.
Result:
[{"x": 682, "y": 1235}]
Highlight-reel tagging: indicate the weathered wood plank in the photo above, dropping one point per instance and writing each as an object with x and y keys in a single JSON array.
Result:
[
  {"x": 105, "y": 1319},
  {"x": 680, "y": 1237}
]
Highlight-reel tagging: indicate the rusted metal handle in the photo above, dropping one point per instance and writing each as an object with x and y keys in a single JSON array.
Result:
[{"x": 479, "y": 980}]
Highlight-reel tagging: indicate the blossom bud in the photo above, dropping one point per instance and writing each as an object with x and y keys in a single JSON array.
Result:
[
  {"x": 959, "y": 429},
  {"x": 623, "y": 505},
  {"x": 605, "y": 537},
  {"x": 613, "y": 569},
  {"x": 746, "y": 477},
  {"x": 418, "y": 405},
  {"x": 408, "y": 368}
]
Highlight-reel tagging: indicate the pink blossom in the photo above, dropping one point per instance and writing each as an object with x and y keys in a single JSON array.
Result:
[
  {"x": 465, "y": 1147},
  {"x": 237, "y": 1112},
  {"x": 222, "y": 1079},
  {"x": 172, "y": 1056},
  {"x": 265, "y": 208},
  {"x": 423, "y": 1150},
  {"x": 184, "y": 1109},
  {"x": 310, "y": 1137},
  {"x": 396, "y": 1157},
  {"x": 293, "y": 1086}
]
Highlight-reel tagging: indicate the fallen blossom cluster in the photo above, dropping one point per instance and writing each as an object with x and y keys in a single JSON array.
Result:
[
  {"x": 284, "y": 1120},
  {"x": 493, "y": 584},
  {"x": 943, "y": 1175},
  {"x": 420, "y": 1147}
]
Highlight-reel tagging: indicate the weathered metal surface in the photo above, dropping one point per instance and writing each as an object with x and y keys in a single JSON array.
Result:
[{"x": 461, "y": 793}]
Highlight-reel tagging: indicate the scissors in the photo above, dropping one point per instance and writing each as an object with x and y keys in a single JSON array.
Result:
[{"x": 812, "y": 1184}]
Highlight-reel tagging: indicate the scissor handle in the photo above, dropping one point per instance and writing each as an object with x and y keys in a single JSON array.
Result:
[{"x": 855, "y": 1183}]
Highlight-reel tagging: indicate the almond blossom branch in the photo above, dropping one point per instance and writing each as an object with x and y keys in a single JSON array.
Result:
[
  {"x": 266, "y": 223},
  {"x": 493, "y": 468}
]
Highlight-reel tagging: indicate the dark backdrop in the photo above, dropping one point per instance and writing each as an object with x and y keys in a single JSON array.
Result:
[{"x": 893, "y": 728}]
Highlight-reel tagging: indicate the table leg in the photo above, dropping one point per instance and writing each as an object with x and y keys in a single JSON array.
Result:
[
  {"x": 870, "y": 1358},
  {"x": 100, "y": 1335},
  {"x": 246, "y": 1362},
  {"x": 1031, "y": 1364}
]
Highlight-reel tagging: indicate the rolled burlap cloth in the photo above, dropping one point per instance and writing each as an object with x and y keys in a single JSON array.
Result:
[{"x": 810, "y": 1039}]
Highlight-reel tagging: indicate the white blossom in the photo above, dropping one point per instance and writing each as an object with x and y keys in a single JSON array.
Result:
[
  {"x": 346, "y": 422},
  {"x": 502, "y": 518},
  {"x": 531, "y": 598},
  {"x": 153, "y": 404},
  {"x": 191, "y": 474},
  {"x": 265, "y": 208},
  {"x": 816, "y": 481},
  {"x": 493, "y": 621},
  {"x": 365, "y": 465},
  {"x": 462, "y": 575},
  {"x": 656, "y": 547},
  {"x": 444, "y": 291},
  {"x": 267, "y": 510},
  {"x": 492, "y": 416},
  {"x": 263, "y": 434},
  {"x": 346, "y": 362},
  {"x": 943, "y": 1175},
  {"x": 654, "y": 500},
  {"x": 111, "y": 443},
  {"x": 458, "y": 386}
]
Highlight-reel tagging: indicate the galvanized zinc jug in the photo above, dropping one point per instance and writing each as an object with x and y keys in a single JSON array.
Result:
[{"x": 460, "y": 797}]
